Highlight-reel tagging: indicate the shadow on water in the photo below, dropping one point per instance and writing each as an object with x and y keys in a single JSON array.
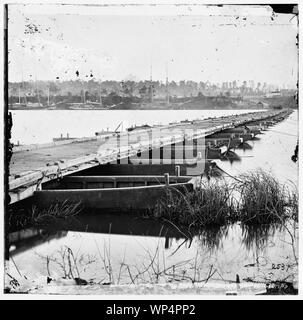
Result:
[
  {"x": 210, "y": 238},
  {"x": 26, "y": 239},
  {"x": 244, "y": 146},
  {"x": 231, "y": 157},
  {"x": 23, "y": 239}
]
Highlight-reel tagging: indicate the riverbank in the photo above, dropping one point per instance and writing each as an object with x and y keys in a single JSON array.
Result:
[{"x": 70, "y": 287}]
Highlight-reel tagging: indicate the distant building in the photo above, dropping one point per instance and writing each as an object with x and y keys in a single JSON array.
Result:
[
  {"x": 261, "y": 104},
  {"x": 143, "y": 127},
  {"x": 273, "y": 94}
]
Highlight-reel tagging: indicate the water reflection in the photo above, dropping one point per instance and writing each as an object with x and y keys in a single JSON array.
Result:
[
  {"x": 258, "y": 237},
  {"x": 26, "y": 239},
  {"x": 212, "y": 238},
  {"x": 244, "y": 146},
  {"x": 231, "y": 157},
  {"x": 127, "y": 245}
]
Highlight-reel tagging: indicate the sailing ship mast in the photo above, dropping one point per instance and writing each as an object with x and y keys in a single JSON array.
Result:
[
  {"x": 48, "y": 95},
  {"x": 83, "y": 91},
  {"x": 19, "y": 92},
  {"x": 167, "y": 92},
  {"x": 37, "y": 91},
  {"x": 24, "y": 91},
  {"x": 151, "y": 89},
  {"x": 100, "y": 97}
]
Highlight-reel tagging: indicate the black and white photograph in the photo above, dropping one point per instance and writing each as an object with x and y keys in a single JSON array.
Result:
[{"x": 151, "y": 149}]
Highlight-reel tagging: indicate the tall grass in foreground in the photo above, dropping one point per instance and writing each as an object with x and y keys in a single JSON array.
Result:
[
  {"x": 59, "y": 210},
  {"x": 28, "y": 216},
  {"x": 256, "y": 197},
  {"x": 264, "y": 200},
  {"x": 209, "y": 204}
]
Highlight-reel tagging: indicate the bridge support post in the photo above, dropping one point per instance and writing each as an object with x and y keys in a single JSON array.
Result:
[
  {"x": 195, "y": 143},
  {"x": 173, "y": 150},
  {"x": 184, "y": 143},
  {"x": 166, "y": 178},
  {"x": 177, "y": 169},
  {"x": 161, "y": 155},
  {"x": 150, "y": 155}
]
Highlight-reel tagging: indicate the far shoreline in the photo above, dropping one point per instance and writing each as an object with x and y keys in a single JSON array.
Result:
[{"x": 133, "y": 109}]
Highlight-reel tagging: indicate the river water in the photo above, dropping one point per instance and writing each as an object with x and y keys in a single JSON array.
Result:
[{"x": 131, "y": 249}]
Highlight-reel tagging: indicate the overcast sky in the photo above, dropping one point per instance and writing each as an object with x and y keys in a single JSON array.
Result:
[{"x": 195, "y": 42}]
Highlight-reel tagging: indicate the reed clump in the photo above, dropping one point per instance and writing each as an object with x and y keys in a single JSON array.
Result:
[
  {"x": 256, "y": 197},
  {"x": 263, "y": 199},
  {"x": 59, "y": 210},
  {"x": 209, "y": 204},
  {"x": 294, "y": 205}
]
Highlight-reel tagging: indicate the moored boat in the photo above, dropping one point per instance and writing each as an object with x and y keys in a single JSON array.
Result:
[{"x": 113, "y": 192}]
